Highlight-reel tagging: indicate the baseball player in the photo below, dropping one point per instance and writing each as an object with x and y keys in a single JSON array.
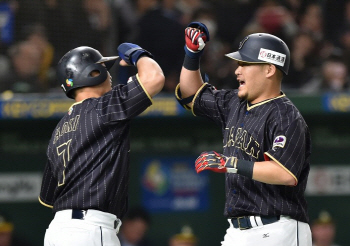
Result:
[
  {"x": 85, "y": 180},
  {"x": 266, "y": 142}
]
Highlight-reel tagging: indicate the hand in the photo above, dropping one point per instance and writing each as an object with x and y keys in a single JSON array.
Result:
[
  {"x": 131, "y": 53},
  {"x": 196, "y": 36},
  {"x": 215, "y": 162}
]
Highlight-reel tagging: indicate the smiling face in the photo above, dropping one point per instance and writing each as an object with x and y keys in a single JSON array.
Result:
[{"x": 252, "y": 81}]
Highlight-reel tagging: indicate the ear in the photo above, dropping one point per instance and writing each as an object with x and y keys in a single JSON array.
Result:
[{"x": 271, "y": 70}]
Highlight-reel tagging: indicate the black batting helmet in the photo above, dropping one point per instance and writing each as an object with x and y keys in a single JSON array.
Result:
[
  {"x": 75, "y": 67},
  {"x": 263, "y": 48}
]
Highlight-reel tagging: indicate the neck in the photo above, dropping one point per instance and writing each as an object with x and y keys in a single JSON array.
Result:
[{"x": 80, "y": 96}]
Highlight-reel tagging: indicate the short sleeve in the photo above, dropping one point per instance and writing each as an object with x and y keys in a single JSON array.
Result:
[
  {"x": 290, "y": 145},
  {"x": 214, "y": 104},
  {"x": 48, "y": 186},
  {"x": 124, "y": 101}
]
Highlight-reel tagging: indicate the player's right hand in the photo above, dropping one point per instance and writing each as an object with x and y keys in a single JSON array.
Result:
[
  {"x": 131, "y": 53},
  {"x": 211, "y": 161},
  {"x": 196, "y": 36}
]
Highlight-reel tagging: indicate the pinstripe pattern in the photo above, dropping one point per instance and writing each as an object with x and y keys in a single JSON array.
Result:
[
  {"x": 88, "y": 154},
  {"x": 249, "y": 133}
]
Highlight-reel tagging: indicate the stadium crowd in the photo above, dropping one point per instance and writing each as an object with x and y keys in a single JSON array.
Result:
[{"x": 36, "y": 33}]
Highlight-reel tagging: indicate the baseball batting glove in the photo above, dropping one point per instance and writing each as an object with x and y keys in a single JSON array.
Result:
[
  {"x": 216, "y": 162},
  {"x": 196, "y": 36},
  {"x": 131, "y": 53}
]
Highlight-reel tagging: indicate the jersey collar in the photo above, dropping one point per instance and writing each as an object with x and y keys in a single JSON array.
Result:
[
  {"x": 251, "y": 106},
  {"x": 76, "y": 103}
]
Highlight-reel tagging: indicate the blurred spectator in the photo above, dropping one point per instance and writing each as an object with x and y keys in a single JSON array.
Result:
[
  {"x": 323, "y": 230},
  {"x": 311, "y": 20},
  {"x": 7, "y": 237},
  {"x": 6, "y": 232},
  {"x": 134, "y": 226},
  {"x": 77, "y": 23},
  {"x": 184, "y": 238},
  {"x": 125, "y": 16},
  {"x": 27, "y": 13},
  {"x": 304, "y": 62},
  {"x": 187, "y": 7},
  {"x": 164, "y": 38},
  {"x": 294, "y": 7},
  {"x": 344, "y": 37},
  {"x": 172, "y": 11},
  {"x": 274, "y": 18},
  {"x": 23, "y": 75},
  {"x": 333, "y": 77},
  {"x": 36, "y": 34},
  {"x": 344, "y": 40}
]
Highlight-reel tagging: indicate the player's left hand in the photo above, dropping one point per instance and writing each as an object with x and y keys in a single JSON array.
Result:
[
  {"x": 196, "y": 36},
  {"x": 212, "y": 161},
  {"x": 131, "y": 53}
]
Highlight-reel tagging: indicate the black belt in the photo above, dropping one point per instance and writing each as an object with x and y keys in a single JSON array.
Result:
[
  {"x": 80, "y": 215},
  {"x": 244, "y": 222}
]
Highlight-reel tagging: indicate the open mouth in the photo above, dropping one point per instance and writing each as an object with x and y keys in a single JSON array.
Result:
[{"x": 241, "y": 83}]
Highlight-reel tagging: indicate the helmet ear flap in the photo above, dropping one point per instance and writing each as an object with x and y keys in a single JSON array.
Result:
[
  {"x": 85, "y": 78},
  {"x": 89, "y": 79}
]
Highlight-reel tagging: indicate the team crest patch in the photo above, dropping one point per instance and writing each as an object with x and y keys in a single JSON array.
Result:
[
  {"x": 279, "y": 142},
  {"x": 129, "y": 80},
  {"x": 271, "y": 56}
]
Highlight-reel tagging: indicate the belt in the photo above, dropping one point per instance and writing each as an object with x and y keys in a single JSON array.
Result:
[
  {"x": 91, "y": 215},
  {"x": 247, "y": 222}
]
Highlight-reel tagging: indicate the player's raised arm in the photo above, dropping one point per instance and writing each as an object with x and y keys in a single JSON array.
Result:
[
  {"x": 196, "y": 36},
  {"x": 150, "y": 74}
]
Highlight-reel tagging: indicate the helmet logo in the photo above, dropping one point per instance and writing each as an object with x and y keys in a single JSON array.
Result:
[
  {"x": 242, "y": 42},
  {"x": 69, "y": 82},
  {"x": 271, "y": 56}
]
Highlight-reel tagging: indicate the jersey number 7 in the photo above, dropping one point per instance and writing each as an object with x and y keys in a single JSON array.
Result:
[{"x": 63, "y": 151}]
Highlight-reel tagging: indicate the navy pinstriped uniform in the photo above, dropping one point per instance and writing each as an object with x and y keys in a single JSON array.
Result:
[
  {"x": 270, "y": 130},
  {"x": 88, "y": 154}
]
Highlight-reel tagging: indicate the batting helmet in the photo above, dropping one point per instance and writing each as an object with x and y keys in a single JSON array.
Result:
[
  {"x": 75, "y": 67},
  {"x": 263, "y": 48}
]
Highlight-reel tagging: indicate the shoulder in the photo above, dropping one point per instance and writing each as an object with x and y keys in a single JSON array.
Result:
[{"x": 285, "y": 106}]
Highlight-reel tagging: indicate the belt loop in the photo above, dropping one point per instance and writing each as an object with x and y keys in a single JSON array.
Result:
[
  {"x": 117, "y": 224},
  {"x": 258, "y": 220}
]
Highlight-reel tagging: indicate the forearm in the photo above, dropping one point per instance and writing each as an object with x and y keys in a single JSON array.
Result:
[
  {"x": 271, "y": 172},
  {"x": 151, "y": 75},
  {"x": 190, "y": 82},
  {"x": 196, "y": 35}
]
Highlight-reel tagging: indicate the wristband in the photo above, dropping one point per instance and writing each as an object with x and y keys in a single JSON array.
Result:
[
  {"x": 245, "y": 168},
  {"x": 191, "y": 64}
]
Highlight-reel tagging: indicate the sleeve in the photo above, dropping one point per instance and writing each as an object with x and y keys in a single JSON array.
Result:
[
  {"x": 290, "y": 146},
  {"x": 48, "y": 186},
  {"x": 124, "y": 102},
  {"x": 214, "y": 104}
]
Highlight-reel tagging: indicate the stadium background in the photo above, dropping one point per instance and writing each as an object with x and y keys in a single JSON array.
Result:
[{"x": 166, "y": 137}]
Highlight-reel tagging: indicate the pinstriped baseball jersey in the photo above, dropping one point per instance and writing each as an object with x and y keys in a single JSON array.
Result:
[
  {"x": 270, "y": 130},
  {"x": 88, "y": 154}
]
